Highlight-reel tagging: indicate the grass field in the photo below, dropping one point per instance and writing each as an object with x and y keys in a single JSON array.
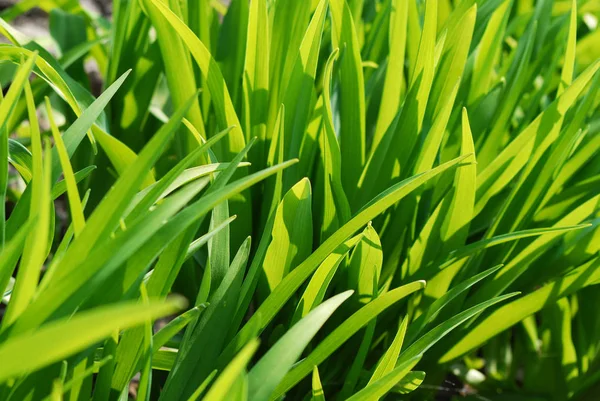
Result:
[{"x": 301, "y": 200}]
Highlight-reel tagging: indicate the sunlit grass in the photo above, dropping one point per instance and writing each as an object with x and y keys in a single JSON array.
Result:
[{"x": 309, "y": 200}]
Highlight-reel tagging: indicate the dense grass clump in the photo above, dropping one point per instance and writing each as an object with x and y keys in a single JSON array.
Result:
[{"x": 309, "y": 200}]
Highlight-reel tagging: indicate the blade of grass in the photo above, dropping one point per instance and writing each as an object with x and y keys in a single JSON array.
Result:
[
  {"x": 317, "y": 388},
  {"x": 336, "y": 208},
  {"x": 72, "y": 192},
  {"x": 434, "y": 335},
  {"x": 352, "y": 94},
  {"x": 343, "y": 332},
  {"x": 294, "y": 280},
  {"x": 315, "y": 290},
  {"x": 273, "y": 366},
  {"x": 386, "y": 383},
  {"x": 36, "y": 245},
  {"x": 513, "y": 312},
  {"x": 388, "y": 361},
  {"x": 226, "y": 115},
  {"x": 218, "y": 391},
  {"x": 394, "y": 76},
  {"x": 55, "y": 341}
]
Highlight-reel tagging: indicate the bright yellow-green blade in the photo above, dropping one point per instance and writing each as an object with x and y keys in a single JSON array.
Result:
[
  {"x": 57, "y": 340},
  {"x": 72, "y": 192},
  {"x": 36, "y": 245}
]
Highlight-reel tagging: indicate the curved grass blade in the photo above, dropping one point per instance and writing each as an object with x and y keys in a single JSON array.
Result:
[
  {"x": 336, "y": 209},
  {"x": 513, "y": 312},
  {"x": 11, "y": 252},
  {"x": 106, "y": 216},
  {"x": 256, "y": 80},
  {"x": 20, "y": 157},
  {"x": 291, "y": 235},
  {"x": 394, "y": 76},
  {"x": 75, "y": 207},
  {"x": 205, "y": 338},
  {"x": 220, "y": 388},
  {"x": 72, "y": 137},
  {"x": 175, "y": 326},
  {"x": 352, "y": 102},
  {"x": 294, "y": 280},
  {"x": 382, "y": 386},
  {"x": 387, "y": 363},
  {"x": 226, "y": 115},
  {"x": 437, "y": 333},
  {"x": 343, "y": 332},
  {"x": 57, "y": 340},
  {"x": 318, "y": 284},
  {"x": 36, "y": 246},
  {"x": 434, "y": 309},
  {"x": 273, "y": 366},
  {"x": 409, "y": 383}
]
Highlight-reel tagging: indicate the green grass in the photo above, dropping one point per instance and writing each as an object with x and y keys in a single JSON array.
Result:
[{"x": 309, "y": 200}]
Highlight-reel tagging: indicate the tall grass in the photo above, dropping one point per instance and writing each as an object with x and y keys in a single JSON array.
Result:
[{"x": 326, "y": 199}]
